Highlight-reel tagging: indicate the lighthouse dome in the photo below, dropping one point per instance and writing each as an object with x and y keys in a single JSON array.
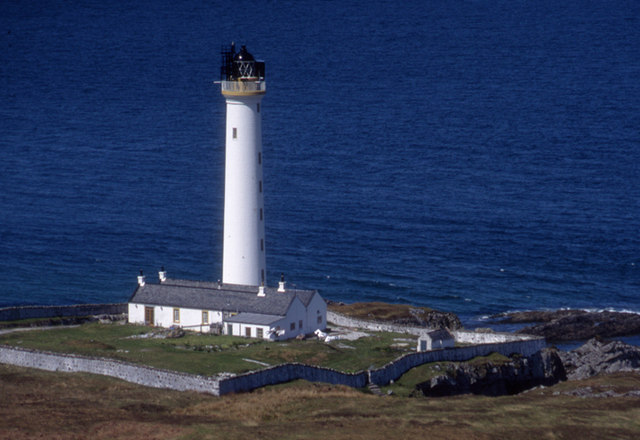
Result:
[
  {"x": 244, "y": 65},
  {"x": 243, "y": 55}
]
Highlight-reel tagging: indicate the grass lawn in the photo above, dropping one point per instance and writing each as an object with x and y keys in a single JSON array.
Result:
[{"x": 209, "y": 354}]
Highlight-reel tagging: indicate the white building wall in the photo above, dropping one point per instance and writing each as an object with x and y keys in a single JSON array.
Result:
[
  {"x": 136, "y": 313},
  {"x": 295, "y": 314},
  {"x": 164, "y": 317},
  {"x": 317, "y": 308}
]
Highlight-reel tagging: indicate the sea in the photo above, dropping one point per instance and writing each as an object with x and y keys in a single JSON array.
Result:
[{"x": 472, "y": 156}]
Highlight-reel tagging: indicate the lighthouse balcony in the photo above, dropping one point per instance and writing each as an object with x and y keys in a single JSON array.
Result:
[{"x": 243, "y": 88}]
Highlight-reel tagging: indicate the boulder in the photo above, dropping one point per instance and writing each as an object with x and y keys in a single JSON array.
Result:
[{"x": 597, "y": 356}]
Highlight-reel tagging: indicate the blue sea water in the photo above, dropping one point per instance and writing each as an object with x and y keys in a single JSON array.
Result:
[{"x": 472, "y": 156}]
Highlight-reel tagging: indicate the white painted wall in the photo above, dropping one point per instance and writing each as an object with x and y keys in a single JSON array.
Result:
[
  {"x": 163, "y": 317},
  {"x": 317, "y": 308},
  {"x": 243, "y": 260},
  {"x": 136, "y": 313}
]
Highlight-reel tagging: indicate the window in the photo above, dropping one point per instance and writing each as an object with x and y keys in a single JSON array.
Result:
[
  {"x": 176, "y": 315},
  {"x": 259, "y": 333},
  {"x": 259, "y": 157},
  {"x": 293, "y": 326},
  {"x": 258, "y": 107},
  {"x": 260, "y": 185},
  {"x": 261, "y": 214},
  {"x": 319, "y": 319},
  {"x": 262, "y": 244},
  {"x": 235, "y": 133},
  {"x": 300, "y": 324},
  {"x": 247, "y": 332},
  {"x": 205, "y": 317}
]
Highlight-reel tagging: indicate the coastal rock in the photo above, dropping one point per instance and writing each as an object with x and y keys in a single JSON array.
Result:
[
  {"x": 397, "y": 314},
  {"x": 595, "y": 357},
  {"x": 431, "y": 319},
  {"x": 490, "y": 379},
  {"x": 575, "y": 325}
]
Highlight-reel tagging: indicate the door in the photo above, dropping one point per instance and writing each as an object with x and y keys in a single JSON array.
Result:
[{"x": 148, "y": 316}]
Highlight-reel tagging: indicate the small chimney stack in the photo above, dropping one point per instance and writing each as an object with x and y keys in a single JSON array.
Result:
[
  {"x": 141, "y": 279},
  {"x": 281, "y": 283},
  {"x": 162, "y": 275}
]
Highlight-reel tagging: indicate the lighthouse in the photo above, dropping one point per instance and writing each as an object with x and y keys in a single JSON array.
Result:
[
  {"x": 243, "y": 87},
  {"x": 242, "y": 304}
]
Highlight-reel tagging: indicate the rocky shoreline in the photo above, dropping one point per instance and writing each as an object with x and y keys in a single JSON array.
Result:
[
  {"x": 573, "y": 325},
  {"x": 545, "y": 368}
]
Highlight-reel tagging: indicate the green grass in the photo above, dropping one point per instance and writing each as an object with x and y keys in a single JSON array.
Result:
[
  {"x": 42, "y": 322},
  {"x": 208, "y": 354}
]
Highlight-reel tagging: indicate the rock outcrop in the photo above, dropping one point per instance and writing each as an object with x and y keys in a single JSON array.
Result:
[
  {"x": 490, "y": 379},
  {"x": 575, "y": 325},
  {"x": 397, "y": 314},
  {"x": 597, "y": 357}
]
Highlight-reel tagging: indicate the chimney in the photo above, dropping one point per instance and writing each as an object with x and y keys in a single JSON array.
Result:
[
  {"x": 141, "y": 281},
  {"x": 162, "y": 275},
  {"x": 261, "y": 290},
  {"x": 281, "y": 283}
]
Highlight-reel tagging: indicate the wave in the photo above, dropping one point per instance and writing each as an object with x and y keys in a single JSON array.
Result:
[{"x": 486, "y": 317}]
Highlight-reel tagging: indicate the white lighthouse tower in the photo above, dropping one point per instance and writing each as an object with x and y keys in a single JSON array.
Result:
[{"x": 243, "y": 86}]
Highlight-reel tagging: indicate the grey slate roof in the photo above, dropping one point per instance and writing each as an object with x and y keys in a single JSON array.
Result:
[
  {"x": 253, "y": 318},
  {"x": 224, "y": 297},
  {"x": 442, "y": 334}
]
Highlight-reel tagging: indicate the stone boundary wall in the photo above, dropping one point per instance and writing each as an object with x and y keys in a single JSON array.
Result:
[
  {"x": 375, "y": 326},
  {"x": 288, "y": 372},
  {"x": 461, "y": 336},
  {"x": 142, "y": 375},
  {"x": 393, "y": 370},
  {"x": 471, "y": 337},
  {"x": 32, "y": 312}
]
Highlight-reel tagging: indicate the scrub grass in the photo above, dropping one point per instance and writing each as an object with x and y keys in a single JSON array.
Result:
[
  {"x": 208, "y": 354},
  {"x": 378, "y": 310},
  {"x": 75, "y": 406}
]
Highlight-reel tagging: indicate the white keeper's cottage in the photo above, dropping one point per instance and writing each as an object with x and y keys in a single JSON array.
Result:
[
  {"x": 240, "y": 305},
  {"x": 255, "y": 312}
]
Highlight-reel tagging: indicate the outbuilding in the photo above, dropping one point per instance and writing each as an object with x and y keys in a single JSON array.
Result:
[{"x": 435, "y": 339}]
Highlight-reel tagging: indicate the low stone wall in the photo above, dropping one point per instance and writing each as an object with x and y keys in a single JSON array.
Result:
[
  {"x": 393, "y": 370},
  {"x": 471, "y": 337},
  {"x": 288, "y": 372},
  {"x": 143, "y": 375},
  {"x": 461, "y": 336},
  {"x": 32, "y": 312},
  {"x": 375, "y": 326}
]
